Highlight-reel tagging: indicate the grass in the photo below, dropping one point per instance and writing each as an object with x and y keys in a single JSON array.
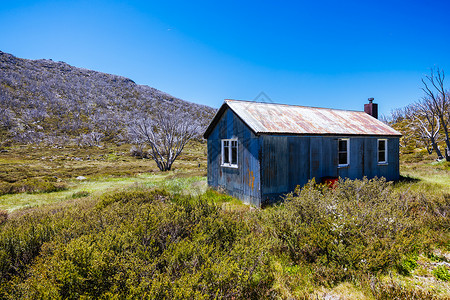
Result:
[
  {"x": 424, "y": 173},
  {"x": 105, "y": 169},
  {"x": 21, "y": 162},
  {"x": 195, "y": 185}
]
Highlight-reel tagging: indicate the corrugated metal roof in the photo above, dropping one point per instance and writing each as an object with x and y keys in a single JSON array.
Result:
[{"x": 270, "y": 118}]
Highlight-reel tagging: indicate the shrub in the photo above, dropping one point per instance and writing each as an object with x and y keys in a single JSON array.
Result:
[
  {"x": 359, "y": 225},
  {"x": 138, "y": 151},
  {"x": 407, "y": 265},
  {"x": 31, "y": 185},
  {"x": 131, "y": 195},
  {"x": 20, "y": 243},
  {"x": 441, "y": 272},
  {"x": 136, "y": 244},
  {"x": 3, "y": 216},
  {"x": 141, "y": 243},
  {"x": 80, "y": 194}
]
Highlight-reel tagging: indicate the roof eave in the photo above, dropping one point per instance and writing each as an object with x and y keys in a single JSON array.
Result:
[
  {"x": 327, "y": 134},
  {"x": 217, "y": 117}
]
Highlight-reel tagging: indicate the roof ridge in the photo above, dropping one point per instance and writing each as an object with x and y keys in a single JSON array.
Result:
[
  {"x": 296, "y": 119},
  {"x": 293, "y": 105}
]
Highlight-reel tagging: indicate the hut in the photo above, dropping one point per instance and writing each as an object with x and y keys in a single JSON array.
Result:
[{"x": 259, "y": 151}]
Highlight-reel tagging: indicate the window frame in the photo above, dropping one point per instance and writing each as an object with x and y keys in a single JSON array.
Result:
[
  {"x": 230, "y": 146},
  {"x": 385, "y": 162},
  {"x": 347, "y": 151}
]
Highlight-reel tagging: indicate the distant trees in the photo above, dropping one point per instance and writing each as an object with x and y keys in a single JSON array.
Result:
[{"x": 167, "y": 131}]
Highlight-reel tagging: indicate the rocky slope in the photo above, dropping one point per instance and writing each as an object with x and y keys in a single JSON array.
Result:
[{"x": 42, "y": 101}]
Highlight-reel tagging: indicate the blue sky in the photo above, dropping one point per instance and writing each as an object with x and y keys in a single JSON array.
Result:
[{"x": 314, "y": 53}]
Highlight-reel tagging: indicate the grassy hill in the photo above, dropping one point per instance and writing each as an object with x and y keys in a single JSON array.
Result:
[{"x": 42, "y": 101}]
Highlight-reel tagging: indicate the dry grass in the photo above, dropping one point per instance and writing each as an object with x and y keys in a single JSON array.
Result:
[
  {"x": 425, "y": 173},
  {"x": 105, "y": 169}
]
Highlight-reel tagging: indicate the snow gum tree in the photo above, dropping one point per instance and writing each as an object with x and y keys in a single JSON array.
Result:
[
  {"x": 437, "y": 101},
  {"x": 166, "y": 131}
]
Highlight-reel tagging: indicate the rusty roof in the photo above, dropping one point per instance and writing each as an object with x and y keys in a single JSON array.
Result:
[{"x": 270, "y": 118}]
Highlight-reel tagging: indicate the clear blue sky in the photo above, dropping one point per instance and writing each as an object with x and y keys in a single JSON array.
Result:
[{"x": 314, "y": 53}]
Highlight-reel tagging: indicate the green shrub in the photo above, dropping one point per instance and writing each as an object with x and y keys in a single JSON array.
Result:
[
  {"x": 407, "y": 265},
  {"x": 134, "y": 195},
  {"x": 80, "y": 194},
  {"x": 136, "y": 244},
  {"x": 6, "y": 188},
  {"x": 20, "y": 243},
  {"x": 359, "y": 225},
  {"x": 441, "y": 272},
  {"x": 31, "y": 185},
  {"x": 141, "y": 243}
]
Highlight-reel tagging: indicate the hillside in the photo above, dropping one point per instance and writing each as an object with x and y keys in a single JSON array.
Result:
[{"x": 42, "y": 101}]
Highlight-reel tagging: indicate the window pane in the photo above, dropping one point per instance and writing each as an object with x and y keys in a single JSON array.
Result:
[
  {"x": 342, "y": 145},
  {"x": 381, "y": 156},
  {"x": 343, "y": 158},
  {"x": 226, "y": 152},
  {"x": 381, "y": 145},
  {"x": 234, "y": 153}
]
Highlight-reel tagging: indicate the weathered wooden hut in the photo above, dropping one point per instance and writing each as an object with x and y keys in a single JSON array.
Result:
[{"x": 260, "y": 151}]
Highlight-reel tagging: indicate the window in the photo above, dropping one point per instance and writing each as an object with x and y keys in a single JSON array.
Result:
[
  {"x": 230, "y": 153},
  {"x": 382, "y": 151},
  {"x": 343, "y": 152}
]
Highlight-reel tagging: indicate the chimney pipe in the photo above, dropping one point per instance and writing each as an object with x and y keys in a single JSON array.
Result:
[{"x": 371, "y": 108}]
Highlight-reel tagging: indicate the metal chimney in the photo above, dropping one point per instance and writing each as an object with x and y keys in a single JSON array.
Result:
[{"x": 371, "y": 108}]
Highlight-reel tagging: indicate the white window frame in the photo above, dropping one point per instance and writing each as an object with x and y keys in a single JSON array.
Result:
[
  {"x": 229, "y": 164},
  {"x": 348, "y": 152},
  {"x": 385, "y": 152}
]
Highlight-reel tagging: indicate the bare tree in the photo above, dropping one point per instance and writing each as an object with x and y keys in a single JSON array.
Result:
[
  {"x": 166, "y": 132},
  {"x": 438, "y": 102},
  {"x": 426, "y": 123},
  {"x": 91, "y": 139},
  {"x": 400, "y": 120}
]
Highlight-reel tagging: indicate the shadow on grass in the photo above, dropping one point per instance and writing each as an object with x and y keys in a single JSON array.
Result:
[{"x": 407, "y": 179}]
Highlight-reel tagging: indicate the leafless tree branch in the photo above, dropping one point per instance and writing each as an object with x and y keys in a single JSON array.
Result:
[
  {"x": 437, "y": 103},
  {"x": 167, "y": 133}
]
